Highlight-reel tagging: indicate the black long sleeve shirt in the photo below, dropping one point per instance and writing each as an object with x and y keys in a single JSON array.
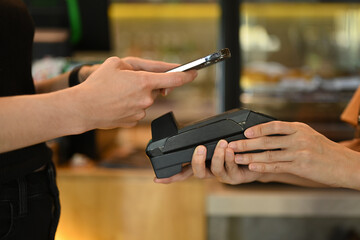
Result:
[{"x": 16, "y": 39}]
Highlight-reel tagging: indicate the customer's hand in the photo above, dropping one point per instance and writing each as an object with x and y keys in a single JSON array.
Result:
[
  {"x": 223, "y": 167},
  {"x": 297, "y": 149},
  {"x": 120, "y": 90}
]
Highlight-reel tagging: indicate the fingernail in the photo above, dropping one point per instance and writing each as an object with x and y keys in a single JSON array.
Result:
[
  {"x": 166, "y": 92},
  {"x": 249, "y": 133},
  {"x": 200, "y": 150},
  {"x": 222, "y": 143}
]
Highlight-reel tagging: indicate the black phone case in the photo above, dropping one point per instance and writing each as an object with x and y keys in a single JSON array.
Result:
[{"x": 172, "y": 147}]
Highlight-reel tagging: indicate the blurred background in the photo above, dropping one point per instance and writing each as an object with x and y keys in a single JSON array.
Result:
[{"x": 293, "y": 60}]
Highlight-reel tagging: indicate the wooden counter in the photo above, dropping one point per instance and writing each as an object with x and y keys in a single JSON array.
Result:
[
  {"x": 106, "y": 204},
  {"x": 116, "y": 204}
]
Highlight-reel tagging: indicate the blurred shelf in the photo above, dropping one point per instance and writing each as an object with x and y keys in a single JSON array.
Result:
[
  {"x": 297, "y": 9},
  {"x": 164, "y": 10}
]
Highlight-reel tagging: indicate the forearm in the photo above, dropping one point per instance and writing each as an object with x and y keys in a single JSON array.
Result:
[
  {"x": 31, "y": 119},
  {"x": 112, "y": 96},
  {"x": 290, "y": 179}
]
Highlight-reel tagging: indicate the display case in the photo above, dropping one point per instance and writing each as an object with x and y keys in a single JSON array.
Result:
[
  {"x": 301, "y": 61},
  {"x": 298, "y": 60}
]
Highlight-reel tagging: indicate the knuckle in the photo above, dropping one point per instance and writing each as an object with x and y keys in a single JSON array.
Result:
[
  {"x": 261, "y": 168},
  {"x": 300, "y": 125},
  {"x": 147, "y": 102},
  {"x": 144, "y": 82},
  {"x": 277, "y": 126},
  {"x": 260, "y": 130},
  {"x": 276, "y": 168},
  {"x": 242, "y": 145},
  {"x": 113, "y": 59},
  {"x": 269, "y": 155},
  {"x": 127, "y": 59},
  {"x": 297, "y": 123},
  {"x": 177, "y": 81},
  {"x": 248, "y": 158},
  {"x": 266, "y": 142}
]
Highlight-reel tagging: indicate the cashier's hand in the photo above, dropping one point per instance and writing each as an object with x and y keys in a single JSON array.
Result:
[
  {"x": 300, "y": 151},
  {"x": 119, "y": 91},
  {"x": 133, "y": 63},
  {"x": 223, "y": 167}
]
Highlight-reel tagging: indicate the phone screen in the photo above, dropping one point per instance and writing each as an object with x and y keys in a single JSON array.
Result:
[{"x": 204, "y": 62}]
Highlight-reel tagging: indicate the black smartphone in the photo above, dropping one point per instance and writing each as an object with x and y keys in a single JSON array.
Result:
[{"x": 204, "y": 61}]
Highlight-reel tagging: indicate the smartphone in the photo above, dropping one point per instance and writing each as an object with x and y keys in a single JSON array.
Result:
[{"x": 204, "y": 62}]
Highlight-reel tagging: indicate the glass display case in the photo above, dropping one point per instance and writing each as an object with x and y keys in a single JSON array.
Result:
[{"x": 301, "y": 61}]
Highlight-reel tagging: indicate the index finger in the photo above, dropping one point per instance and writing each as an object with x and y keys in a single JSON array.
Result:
[
  {"x": 270, "y": 128},
  {"x": 149, "y": 65},
  {"x": 171, "y": 80}
]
